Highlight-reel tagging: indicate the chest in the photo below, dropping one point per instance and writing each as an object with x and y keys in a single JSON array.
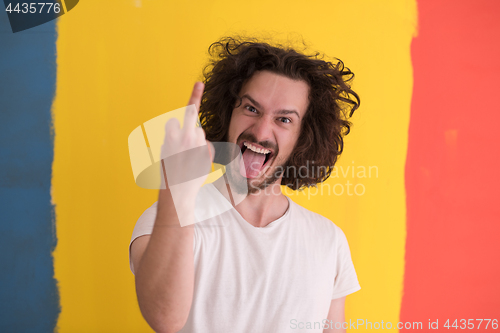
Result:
[{"x": 286, "y": 267}]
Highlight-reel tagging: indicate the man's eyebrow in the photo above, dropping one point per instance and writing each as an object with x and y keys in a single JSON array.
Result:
[
  {"x": 288, "y": 112},
  {"x": 252, "y": 100},
  {"x": 260, "y": 107}
]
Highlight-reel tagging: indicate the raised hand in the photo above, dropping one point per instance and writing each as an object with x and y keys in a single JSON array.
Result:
[{"x": 186, "y": 155}]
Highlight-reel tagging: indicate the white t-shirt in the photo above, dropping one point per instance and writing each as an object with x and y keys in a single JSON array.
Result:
[{"x": 279, "y": 278}]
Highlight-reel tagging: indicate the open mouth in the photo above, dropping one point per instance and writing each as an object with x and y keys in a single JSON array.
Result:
[{"x": 255, "y": 158}]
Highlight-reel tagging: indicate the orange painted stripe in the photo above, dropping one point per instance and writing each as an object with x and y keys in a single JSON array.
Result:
[{"x": 452, "y": 179}]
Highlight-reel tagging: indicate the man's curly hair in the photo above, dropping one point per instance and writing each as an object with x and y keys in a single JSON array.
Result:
[{"x": 233, "y": 61}]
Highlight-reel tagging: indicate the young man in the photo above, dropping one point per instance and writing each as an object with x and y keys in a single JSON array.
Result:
[{"x": 265, "y": 264}]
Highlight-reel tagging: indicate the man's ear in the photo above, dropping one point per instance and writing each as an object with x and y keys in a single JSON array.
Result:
[
  {"x": 238, "y": 103},
  {"x": 211, "y": 149}
]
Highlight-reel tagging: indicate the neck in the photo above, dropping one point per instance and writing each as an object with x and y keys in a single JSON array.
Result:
[{"x": 261, "y": 208}]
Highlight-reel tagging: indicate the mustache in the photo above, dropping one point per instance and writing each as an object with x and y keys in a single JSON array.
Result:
[{"x": 266, "y": 144}]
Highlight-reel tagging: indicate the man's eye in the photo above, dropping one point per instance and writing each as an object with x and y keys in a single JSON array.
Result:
[
  {"x": 285, "y": 120},
  {"x": 251, "y": 108}
]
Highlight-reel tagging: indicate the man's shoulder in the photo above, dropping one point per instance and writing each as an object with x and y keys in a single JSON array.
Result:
[
  {"x": 151, "y": 210},
  {"x": 304, "y": 216}
]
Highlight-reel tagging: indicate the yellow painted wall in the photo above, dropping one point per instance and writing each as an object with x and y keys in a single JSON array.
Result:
[{"x": 121, "y": 63}]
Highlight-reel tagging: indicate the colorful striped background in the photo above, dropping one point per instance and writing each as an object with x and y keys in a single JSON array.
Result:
[{"x": 423, "y": 233}]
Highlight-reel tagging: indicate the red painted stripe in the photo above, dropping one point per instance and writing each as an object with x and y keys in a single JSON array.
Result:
[{"x": 452, "y": 171}]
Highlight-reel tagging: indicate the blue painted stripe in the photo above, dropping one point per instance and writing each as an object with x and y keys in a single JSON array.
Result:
[{"x": 29, "y": 299}]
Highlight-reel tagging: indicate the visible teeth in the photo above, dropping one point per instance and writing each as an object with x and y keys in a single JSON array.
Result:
[{"x": 256, "y": 149}]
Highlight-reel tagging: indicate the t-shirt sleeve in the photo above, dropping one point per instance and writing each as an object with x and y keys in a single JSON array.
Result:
[
  {"x": 143, "y": 226},
  {"x": 346, "y": 280}
]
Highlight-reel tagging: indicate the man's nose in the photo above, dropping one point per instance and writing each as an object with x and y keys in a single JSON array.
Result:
[{"x": 263, "y": 129}]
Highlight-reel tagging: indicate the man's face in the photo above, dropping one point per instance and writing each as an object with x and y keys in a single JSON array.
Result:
[{"x": 266, "y": 125}]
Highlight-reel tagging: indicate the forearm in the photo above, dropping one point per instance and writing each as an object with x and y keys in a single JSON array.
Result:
[{"x": 165, "y": 276}]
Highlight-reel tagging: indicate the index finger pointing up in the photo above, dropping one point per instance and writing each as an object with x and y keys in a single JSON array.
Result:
[
  {"x": 191, "y": 118},
  {"x": 197, "y": 94}
]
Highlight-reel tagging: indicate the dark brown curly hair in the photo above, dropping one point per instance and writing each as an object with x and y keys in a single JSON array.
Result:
[{"x": 233, "y": 61}]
